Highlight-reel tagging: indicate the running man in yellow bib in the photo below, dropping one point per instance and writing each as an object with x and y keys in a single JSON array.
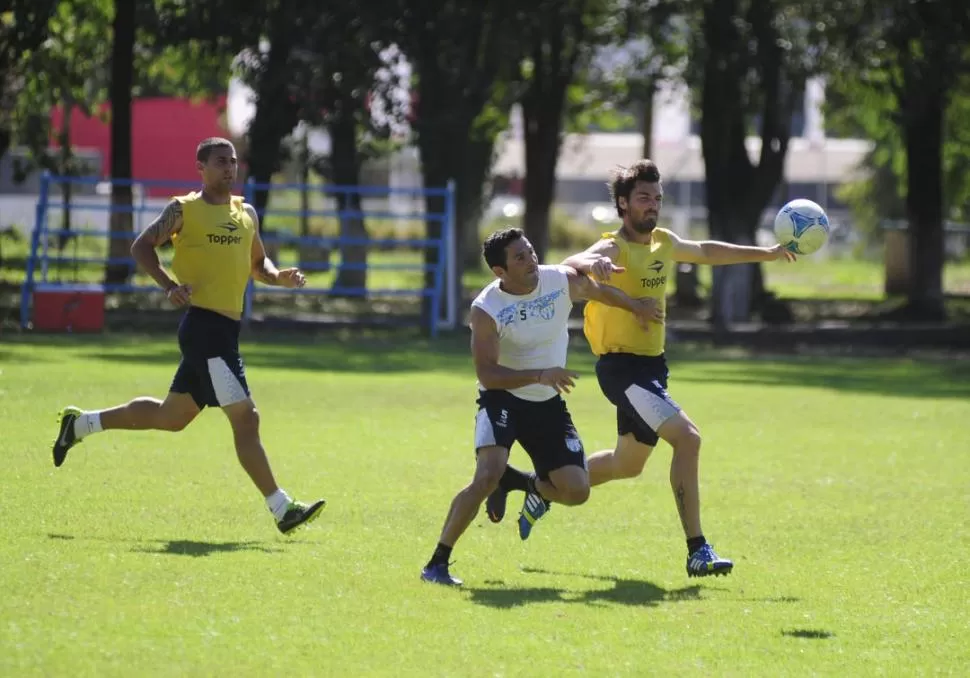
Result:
[
  {"x": 632, "y": 372},
  {"x": 215, "y": 236}
]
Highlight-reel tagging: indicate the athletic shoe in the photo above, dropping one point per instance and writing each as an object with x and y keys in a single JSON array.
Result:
[
  {"x": 65, "y": 433},
  {"x": 704, "y": 562},
  {"x": 299, "y": 514},
  {"x": 438, "y": 574},
  {"x": 495, "y": 505},
  {"x": 533, "y": 508}
]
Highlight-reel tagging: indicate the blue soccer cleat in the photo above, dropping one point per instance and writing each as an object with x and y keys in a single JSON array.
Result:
[
  {"x": 704, "y": 562},
  {"x": 533, "y": 508},
  {"x": 438, "y": 574}
]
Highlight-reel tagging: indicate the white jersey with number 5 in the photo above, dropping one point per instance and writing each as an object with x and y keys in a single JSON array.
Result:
[{"x": 531, "y": 327}]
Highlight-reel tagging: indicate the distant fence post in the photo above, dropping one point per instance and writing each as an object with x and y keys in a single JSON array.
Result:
[
  {"x": 39, "y": 219},
  {"x": 896, "y": 258},
  {"x": 452, "y": 284}
]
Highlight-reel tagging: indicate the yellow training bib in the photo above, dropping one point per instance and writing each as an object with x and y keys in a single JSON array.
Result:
[
  {"x": 213, "y": 252},
  {"x": 615, "y": 330}
]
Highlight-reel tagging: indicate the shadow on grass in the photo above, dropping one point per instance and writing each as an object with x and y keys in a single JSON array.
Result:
[
  {"x": 201, "y": 549},
  {"x": 632, "y": 592},
  {"x": 179, "y": 547},
  {"x": 808, "y": 634}
]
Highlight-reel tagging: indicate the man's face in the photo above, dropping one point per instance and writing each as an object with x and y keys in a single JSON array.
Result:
[
  {"x": 220, "y": 170},
  {"x": 643, "y": 206},
  {"x": 521, "y": 265}
]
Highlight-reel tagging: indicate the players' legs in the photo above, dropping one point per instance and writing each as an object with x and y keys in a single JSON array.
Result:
[
  {"x": 489, "y": 466},
  {"x": 74, "y": 424},
  {"x": 626, "y": 460},
  {"x": 244, "y": 419},
  {"x": 172, "y": 414},
  {"x": 685, "y": 440},
  {"x": 568, "y": 485}
]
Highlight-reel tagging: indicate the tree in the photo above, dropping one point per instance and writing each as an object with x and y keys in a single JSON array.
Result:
[
  {"x": 908, "y": 58},
  {"x": 464, "y": 55},
  {"x": 62, "y": 71},
  {"x": 122, "y": 80},
  {"x": 750, "y": 60},
  {"x": 558, "y": 44},
  {"x": 345, "y": 72},
  {"x": 24, "y": 27}
]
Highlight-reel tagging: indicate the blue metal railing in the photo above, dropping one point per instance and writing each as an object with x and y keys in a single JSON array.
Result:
[{"x": 40, "y": 258}]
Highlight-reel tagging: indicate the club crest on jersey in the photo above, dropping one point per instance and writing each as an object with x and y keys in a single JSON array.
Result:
[{"x": 543, "y": 307}]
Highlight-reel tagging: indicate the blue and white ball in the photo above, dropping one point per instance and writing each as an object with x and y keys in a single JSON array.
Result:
[{"x": 802, "y": 226}]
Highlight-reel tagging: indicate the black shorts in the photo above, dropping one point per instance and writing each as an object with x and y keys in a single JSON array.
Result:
[
  {"x": 637, "y": 386},
  {"x": 211, "y": 370},
  {"x": 543, "y": 429}
]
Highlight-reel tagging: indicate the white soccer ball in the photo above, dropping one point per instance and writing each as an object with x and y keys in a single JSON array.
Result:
[{"x": 802, "y": 226}]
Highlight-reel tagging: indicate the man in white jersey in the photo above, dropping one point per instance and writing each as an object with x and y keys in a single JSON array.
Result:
[{"x": 519, "y": 345}]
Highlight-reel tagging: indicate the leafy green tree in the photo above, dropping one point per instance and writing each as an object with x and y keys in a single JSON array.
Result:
[{"x": 905, "y": 61}]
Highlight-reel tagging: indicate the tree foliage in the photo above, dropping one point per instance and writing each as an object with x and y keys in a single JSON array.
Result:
[{"x": 905, "y": 62}]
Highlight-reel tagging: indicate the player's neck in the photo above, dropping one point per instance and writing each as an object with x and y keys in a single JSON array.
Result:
[
  {"x": 214, "y": 197},
  {"x": 630, "y": 235},
  {"x": 514, "y": 290}
]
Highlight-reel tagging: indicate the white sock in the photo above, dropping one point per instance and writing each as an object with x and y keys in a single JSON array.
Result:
[
  {"x": 87, "y": 423},
  {"x": 278, "y": 502}
]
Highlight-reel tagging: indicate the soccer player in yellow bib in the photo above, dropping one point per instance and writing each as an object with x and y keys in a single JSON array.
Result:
[
  {"x": 632, "y": 372},
  {"x": 217, "y": 246}
]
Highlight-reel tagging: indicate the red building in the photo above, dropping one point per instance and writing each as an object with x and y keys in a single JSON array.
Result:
[{"x": 165, "y": 133}]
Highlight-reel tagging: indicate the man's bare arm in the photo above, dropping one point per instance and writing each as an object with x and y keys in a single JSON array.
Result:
[
  {"x": 165, "y": 225},
  {"x": 717, "y": 253},
  {"x": 262, "y": 266},
  {"x": 598, "y": 260},
  {"x": 582, "y": 286}
]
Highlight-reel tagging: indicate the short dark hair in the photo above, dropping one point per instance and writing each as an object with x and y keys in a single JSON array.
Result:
[
  {"x": 623, "y": 180},
  {"x": 206, "y": 146},
  {"x": 494, "y": 248}
]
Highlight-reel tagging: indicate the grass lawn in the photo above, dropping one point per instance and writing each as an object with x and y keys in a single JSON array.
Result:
[{"x": 838, "y": 486}]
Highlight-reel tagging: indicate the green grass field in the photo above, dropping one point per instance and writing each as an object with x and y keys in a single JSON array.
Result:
[{"x": 839, "y": 486}]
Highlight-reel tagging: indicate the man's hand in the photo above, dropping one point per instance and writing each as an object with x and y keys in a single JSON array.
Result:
[
  {"x": 179, "y": 295},
  {"x": 648, "y": 310},
  {"x": 291, "y": 277},
  {"x": 558, "y": 378},
  {"x": 603, "y": 267},
  {"x": 779, "y": 253}
]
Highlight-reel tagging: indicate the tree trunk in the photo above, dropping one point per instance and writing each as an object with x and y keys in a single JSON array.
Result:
[
  {"x": 346, "y": 172},
  {"x": 274, "y": 118},
  {"x": 542, "y": 114},
  {"x": 737, "y": 189},
  {"x": 122, "y": 77},
  {"x": 923, "y": 130}
]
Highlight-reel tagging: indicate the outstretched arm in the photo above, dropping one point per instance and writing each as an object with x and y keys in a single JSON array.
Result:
[
  {"x": 717, "y": 253},
  {"x": 263, "y": 268}
]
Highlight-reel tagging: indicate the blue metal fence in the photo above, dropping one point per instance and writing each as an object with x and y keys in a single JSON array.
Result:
[{"x": 40, "y": 258}]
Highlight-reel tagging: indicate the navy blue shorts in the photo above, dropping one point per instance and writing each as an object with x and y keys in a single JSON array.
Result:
[
  {"x": 544, "y": 429},
  {"x": 637, "y": 386},
  {"x": 211, "y": 370}
]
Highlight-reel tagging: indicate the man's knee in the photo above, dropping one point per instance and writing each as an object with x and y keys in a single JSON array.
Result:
[
  {"x": 176, "y": 412},
  {"x": 489, "y": 470},
  {"x": 576, "y": 494},
  {"x": 682, "y": 434},
  {"x": 243, "y": 416},
  {"x": 572, "y": 485}
]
